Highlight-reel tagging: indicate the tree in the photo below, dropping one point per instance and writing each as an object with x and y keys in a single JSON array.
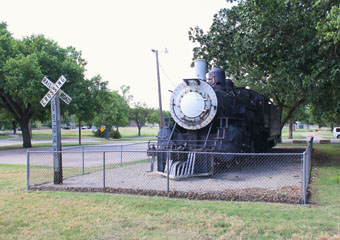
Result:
[
  {"x": 114, "y": 112},
  {"x": 327, "y": 102},
  {"x": 125, "y": 91},
  {"x": 87, "y": 100},
  {"x": 154, "y": 116},
  {"x": 8, "y": 121},
  {"x": 300, "y": 114},
  {"x": 23, "y": 63},
  {"x": 272, "y": 46},
  {"x": 140, "y": 115}
]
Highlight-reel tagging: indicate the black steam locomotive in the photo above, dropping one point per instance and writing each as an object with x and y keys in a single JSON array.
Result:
[{"x": 212, "y": 115}]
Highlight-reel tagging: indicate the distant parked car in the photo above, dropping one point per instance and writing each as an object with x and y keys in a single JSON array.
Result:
[{"x": 336, "y": 132}]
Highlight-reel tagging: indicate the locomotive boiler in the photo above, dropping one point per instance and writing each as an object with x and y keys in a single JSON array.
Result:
[{"x": 212, "y": 115}]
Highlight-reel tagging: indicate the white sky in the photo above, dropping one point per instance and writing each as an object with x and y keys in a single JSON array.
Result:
[{"x": 116, "y": 37}]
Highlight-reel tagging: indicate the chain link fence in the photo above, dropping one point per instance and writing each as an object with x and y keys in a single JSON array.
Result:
[{"x": 275, "y": 177}]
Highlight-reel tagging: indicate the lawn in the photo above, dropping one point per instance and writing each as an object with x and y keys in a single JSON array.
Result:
[
  {"x": 127, "y": 133},
  {"x": 299, "y": 133},
  {"x": 43, "y": 134},
  {"x": 63, "y": 215}
]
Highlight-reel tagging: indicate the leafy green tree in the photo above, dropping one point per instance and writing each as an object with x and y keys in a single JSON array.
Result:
[
  {"x": 154, "y": 116},
  {"x": 273, "y": 47},
  {"x": 140, "y": 114},
  {"x": 327, "y": 102},
  {"x": 301, "y": 114},
  {"x": 87, "y": 100},
  {"x": 8, "y": 121},
  {"x": 23, "y": 63},
  {"x": 125, "y": 91},
  {"x": 114, "y": 112}
]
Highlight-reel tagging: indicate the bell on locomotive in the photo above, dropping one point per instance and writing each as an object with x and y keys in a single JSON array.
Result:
[{"x": 209, "y": 117}]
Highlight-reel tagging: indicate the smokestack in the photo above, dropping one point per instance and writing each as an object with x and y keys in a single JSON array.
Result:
[{"x": 200, "y": 68}]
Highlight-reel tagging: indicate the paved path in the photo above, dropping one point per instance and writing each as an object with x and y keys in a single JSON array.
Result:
[
  {"x": 19, "y": 156},
  {"x": 309, "y": 135},
  {"x": 10, "y": 142}
]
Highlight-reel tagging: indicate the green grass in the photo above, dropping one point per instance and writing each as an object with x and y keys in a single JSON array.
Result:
[
  {"x": 65, "y": 215},
  {"x": 299, "y": 133},
  {"x": 332, "y": 149},
  {"x": 126, "y": 132},
  {"x": 6, "y": 137},
  {"x": 39, "y": 145}
]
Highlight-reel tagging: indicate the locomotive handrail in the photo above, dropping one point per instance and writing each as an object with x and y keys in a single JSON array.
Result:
[{"x": 184, "y": 144}]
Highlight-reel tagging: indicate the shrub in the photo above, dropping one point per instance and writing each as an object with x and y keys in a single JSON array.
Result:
[
  {"x": 112, "y": 134},
  {"x": 115, "y": 134}
]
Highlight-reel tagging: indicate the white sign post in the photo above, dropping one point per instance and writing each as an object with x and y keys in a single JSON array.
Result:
[{"x": 53, "y": 95}]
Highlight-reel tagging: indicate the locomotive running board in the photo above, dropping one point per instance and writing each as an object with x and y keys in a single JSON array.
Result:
[{"x": 184, "y": 169}]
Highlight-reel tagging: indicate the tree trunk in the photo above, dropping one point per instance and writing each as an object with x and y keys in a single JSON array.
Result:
[
  {"x": 280, "y": 109},
  {"x": 139, "y": 129},
  {"x": 21, "y": 116},
  {"x": 291, "y": 111},
  {"x": 30, "y": 130},
  {"x": 107, "y": 132},
  {"x": 290, "y": 135},
  {"x": 25, "y": 134},
  {"x": 79, "y": 125},
  {"x": 14, "y": 127}
]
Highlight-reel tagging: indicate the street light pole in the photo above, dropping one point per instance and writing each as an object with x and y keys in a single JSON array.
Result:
[{"x": 159, "y": 89}]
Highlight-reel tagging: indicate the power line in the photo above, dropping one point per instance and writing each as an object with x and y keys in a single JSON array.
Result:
[{"x": 167, "y": 76}]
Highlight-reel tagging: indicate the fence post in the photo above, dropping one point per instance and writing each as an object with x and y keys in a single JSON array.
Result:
[
  {"x": 121, "y": 155},
  {"x": 167, "y": 172},
  {"x": 103, "y": 171},
  {"x": 82, "y": 160},
  {"x": 311, "y": 142},
  {"x": 152, "y": 162},
  {"x": 304, "y": 171},
  {"x": 28, "y": 171}
]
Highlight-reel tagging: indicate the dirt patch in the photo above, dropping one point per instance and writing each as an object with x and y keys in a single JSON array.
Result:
[
  {"x": 321, "y": 159},
  {"x": 284, "y": 195}
]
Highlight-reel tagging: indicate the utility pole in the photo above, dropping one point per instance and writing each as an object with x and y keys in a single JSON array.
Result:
[
  {"x": 159, "y": 91},
  {"x": 159, "y": 88}
]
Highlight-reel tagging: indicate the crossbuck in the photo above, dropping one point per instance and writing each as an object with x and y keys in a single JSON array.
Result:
[{"x": 53, "y": 89}]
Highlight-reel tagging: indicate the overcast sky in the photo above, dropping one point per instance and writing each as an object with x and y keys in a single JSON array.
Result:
[{"x": 116, "y": 37}]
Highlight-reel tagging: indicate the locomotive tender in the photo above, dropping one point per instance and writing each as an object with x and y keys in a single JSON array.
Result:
[{"x": 212, "y": 115}]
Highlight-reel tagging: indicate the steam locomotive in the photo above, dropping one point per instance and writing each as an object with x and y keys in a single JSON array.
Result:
[{"x": 212, "y": 115}]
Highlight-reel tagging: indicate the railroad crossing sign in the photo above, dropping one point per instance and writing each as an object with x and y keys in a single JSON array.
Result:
[
  {"x": 53, "y": 95},
  {"x": 53, "y": 89}
]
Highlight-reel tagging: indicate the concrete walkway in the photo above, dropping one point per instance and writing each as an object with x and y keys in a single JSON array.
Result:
[{"x": 10, "y": 142}]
